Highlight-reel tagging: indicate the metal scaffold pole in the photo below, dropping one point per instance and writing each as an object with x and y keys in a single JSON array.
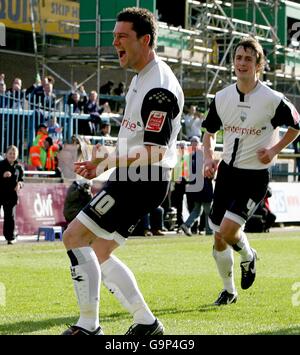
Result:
[
  {"x": 98, "y": 30},
  {"x": 35, "y": 48}
]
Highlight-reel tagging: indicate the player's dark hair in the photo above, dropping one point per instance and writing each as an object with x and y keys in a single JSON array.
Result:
[
  {"x": 252, "y": 43},
  {"x": 143, "y": 22}
]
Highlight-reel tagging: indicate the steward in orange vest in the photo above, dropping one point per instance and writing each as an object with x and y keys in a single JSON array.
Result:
[{"x": 44, "y": 157}]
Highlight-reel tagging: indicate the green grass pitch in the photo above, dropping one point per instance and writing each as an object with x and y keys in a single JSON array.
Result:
[{"x": 177, "y": 276}]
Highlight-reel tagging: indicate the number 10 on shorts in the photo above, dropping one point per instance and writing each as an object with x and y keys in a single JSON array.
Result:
[{"x": 103, "y": 203}]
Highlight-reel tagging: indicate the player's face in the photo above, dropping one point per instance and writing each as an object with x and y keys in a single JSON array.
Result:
[
  {"x": 245, "y": 65},
  {"x": 130, "y": 49}
]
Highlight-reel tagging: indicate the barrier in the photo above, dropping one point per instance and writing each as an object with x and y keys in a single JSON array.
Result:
[
  {"x": 39, "y": 205},
  {"x": 285, "y": 201},
  {"x": 20, "y": 115}
]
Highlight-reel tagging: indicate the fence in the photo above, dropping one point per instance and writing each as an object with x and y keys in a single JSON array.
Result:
[{"x": 20, "y": 115}]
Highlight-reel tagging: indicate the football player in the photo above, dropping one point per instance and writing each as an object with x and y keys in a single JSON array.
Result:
[
  {"x": 249, "y": 113},
  {"x": 144, "y": 157}
]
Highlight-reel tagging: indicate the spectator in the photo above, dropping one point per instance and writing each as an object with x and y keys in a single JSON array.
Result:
[
  {"x": 188, "y": 120},
  {"x": 154, "y": 222},
  {"x": 200, "y": 199},
  {"x": 193, "y": 122},
  {"x": 55, "y": 130},
  {"x": 36, "y": 84},
  {"x": 42, "y": 100},
  {"x": 15, "y": 94},
  {"x": 3, "y": 103},
  {"x": 46, "y": 98},
  {"x": 94, "y": 110},
  {"x": 2, "y": 86},
  {"x": 15, "y": 100},
  {"x": 2, "y": 91},
  {"x": 119, "y": 91},
  {"x": 197, "y": 124},
  {"x": 11, "y": 181},
  {"x": 41, "y": 135},
  {"x": 38, "y": 87},
  {"x": 78, "y": 100},
  {"x": 180, "y": 183},
  {"x": 106, "y": 89},
  {"x": 105, "y": 129},
  {"x": 43, "y": 157}
]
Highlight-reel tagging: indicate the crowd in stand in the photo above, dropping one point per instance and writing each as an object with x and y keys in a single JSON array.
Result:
[{"x": 41, "y": 100}]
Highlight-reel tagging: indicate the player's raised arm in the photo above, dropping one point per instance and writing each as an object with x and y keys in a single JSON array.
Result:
[{"x": 267, "y": 155}]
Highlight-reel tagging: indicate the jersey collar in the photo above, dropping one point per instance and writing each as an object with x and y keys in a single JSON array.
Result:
[
  {"x": 148, "y": 67},
  {"x": 243, "y": 96}
]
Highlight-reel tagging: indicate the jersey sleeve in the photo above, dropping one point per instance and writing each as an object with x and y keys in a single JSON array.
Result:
[
  {"x": 213, "y": 122},
  {"x": 286, "y": 115},
  {"x": 159, "y": 108}
]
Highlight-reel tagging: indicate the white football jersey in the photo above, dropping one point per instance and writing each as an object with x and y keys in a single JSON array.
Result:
[
  {"x": 154, "y": 105},
  {"x": 249, "y": 122}
]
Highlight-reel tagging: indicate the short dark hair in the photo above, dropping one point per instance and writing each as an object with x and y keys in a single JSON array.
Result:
[
  {"x": 42, "y": 125},
  {"x": 49, "y": 140},
  {"x": 252, "y": 43},
  {"x": 143, "y": 22}
]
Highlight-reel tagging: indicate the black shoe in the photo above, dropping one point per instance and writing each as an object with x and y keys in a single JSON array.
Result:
[
  {"x": 10, "y": 242},
  {"x": 248, "y": 270},
  {"x": 75, "y": 330},
  {"x": 146, "y": 329},
  {"x": 225, "y": 298},
  {"x": 186, "y": 230}
]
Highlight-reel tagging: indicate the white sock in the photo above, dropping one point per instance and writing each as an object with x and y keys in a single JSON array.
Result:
[
  {"x": 86, "y": 275},
  {"x": 225, "y": 261},
  {"x": 120, "y": 281},
  {"x": 243, "y": 248}
]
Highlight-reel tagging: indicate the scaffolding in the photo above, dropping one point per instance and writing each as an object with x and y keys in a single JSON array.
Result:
[
  {"x": 201, "y": 55},
  {"x": 216, "y": 22}
]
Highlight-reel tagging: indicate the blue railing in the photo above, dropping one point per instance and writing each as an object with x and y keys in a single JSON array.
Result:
[{"x": 20, "y": 115}]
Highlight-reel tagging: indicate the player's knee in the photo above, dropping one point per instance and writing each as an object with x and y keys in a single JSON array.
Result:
[
  {"x": 67, "y": 235},
  {"x": 71, "y": 239},
  {"x": 228, "y": 233},
  {"x": 220, "y": 244}
]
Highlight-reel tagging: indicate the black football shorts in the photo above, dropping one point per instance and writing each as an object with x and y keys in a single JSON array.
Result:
[
  {"x": 117, "y": 208},
  {"x": 237, "y": 194}
]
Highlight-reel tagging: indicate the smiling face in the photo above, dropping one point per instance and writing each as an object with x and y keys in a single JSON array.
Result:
[
  {"x": 131, "y": 49},
  {"x": 12, "y": 155},
  {"x": 245, "y": 64}
]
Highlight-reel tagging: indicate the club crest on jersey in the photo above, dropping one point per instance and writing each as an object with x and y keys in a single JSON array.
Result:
[
  {"x": 243, "y": 116},
  {"x": 155, "y": 121}
]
